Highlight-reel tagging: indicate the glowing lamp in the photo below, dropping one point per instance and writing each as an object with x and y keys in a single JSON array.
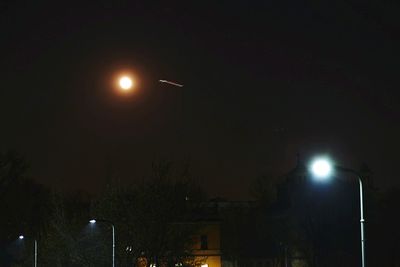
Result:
[
  {"x": 321, "y": 168},
  {"x": 125, "y": 83},
  {"x": 92, "y": 221}
]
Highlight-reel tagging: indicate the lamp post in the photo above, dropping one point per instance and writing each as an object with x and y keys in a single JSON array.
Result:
[
  {"x": 93, "y": 221},
  {"x": 35, "y": 247},
  {"x": 128, "y": 82},
  {"x": 322, "y": 169}
]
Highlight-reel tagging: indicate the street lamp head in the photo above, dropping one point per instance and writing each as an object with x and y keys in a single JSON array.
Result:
[
  {"x": 126, "y": 83},
  {"x": 92, "y": 221},
  {"x": 21, "y": 237},
  {"x": 321, "y": 168}
]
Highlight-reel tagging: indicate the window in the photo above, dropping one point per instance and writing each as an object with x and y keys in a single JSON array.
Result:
[{"x": 203, "y": 242}]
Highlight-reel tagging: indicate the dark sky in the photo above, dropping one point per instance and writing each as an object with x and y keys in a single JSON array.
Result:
[{"x": 263, "y": 82}]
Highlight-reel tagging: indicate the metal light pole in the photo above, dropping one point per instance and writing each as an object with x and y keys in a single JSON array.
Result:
[
  {"x": 362, "y": 219},
  {"x": 36, "y": 253},
  {"x": 35, "y": 248},
  {"x": 322, "y": 168},
  {"x": 113, "y": 245},
  {"x": 93, "y": 221}
]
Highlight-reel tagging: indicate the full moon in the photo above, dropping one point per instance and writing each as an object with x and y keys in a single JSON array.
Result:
[{"x": 125, "y": 83}]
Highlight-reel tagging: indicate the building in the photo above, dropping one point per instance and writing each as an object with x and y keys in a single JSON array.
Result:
[
  {"x": 207, "y": 244},
  {"x": 226, "y": 236}
]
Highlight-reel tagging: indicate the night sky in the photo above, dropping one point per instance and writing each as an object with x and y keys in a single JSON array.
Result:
[{"x": 263, "y": 82}]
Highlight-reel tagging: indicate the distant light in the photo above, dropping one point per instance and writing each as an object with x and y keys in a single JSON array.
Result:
[
  {"x": 153, "y": 265},
  {"x": 92, "y": 221},
  {"x": 125, "y": 83},
  {"x": 321, "y": 168},
  {"x": 21, "y": 237}
]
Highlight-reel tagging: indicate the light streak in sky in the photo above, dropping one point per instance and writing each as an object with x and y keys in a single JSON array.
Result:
[{"x": 171, "y": 83}]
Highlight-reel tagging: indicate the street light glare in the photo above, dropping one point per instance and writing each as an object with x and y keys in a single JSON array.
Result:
[
  {"x": 21, "y": 237},
  {"x": 125, "y": 83},
  {"x": 321, "y": 168},
  {"x": 92, "y": 221}
]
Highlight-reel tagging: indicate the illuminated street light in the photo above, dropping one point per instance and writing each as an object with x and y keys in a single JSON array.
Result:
[
  {"x": 93, "y": 221},
  {"x": 126, "y": 83},
  {"x": 35, "y": 247},
  {"x": 321, "y": 168}
]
